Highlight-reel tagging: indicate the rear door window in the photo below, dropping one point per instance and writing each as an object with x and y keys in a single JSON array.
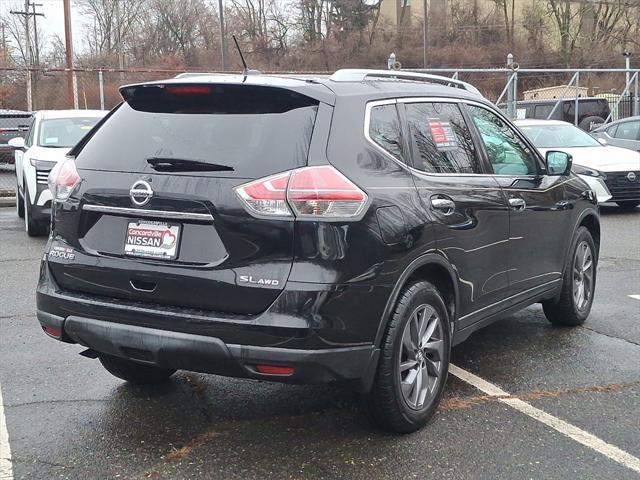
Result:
[
  {"x": 440, "y": 138},
  {"x": 384, "y": 129},
  {"x": 238, "y": 131}
]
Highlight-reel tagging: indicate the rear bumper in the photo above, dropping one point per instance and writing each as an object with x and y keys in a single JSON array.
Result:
[
  {"x": 205, "y": 354},
  {"x": 325, "y": 332}
]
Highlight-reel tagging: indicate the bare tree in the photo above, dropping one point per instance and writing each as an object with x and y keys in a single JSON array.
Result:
[
  {"x": 568, "y": 18},
  {"x": 113, "y": 22}
]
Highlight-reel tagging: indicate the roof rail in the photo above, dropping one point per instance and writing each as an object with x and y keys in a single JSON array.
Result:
[
  {"x": 195, "y": 74},
  {"x": 360, "y": 75}
]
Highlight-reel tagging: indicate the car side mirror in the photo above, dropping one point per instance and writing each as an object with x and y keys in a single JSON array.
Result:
[
  {"x": 558, "y": 163},
  {"x": 602, "y": 141},
  {"x": 17, "y": 143}
]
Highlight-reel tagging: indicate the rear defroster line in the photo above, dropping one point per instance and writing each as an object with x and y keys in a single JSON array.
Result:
[{"x": 585, "y": 438}]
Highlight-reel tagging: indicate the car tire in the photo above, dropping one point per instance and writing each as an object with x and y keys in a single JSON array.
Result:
[
  {"x": 134, "y": 372},
  {"x": 32, "y": 227},
  {"x": 578, "y": 286},
  {"x": 587, "y": 122},
  {"x": 628, "y": 205},
  {"x": 398, "y": 401},
  {"x": 19, "y": 202}
]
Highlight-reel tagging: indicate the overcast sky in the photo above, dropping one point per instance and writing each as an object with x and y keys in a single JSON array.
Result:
[{"x": 53, "y": 21}]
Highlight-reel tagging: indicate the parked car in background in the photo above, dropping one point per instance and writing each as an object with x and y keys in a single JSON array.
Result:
[
  {"x": 623, "y": 133},
  {"x": 592, "y": 112},
  {"x": 347, "y": 229},
  {"x": 13, "y": 123},
  {"x": 50, "y": 136},
  {"x": 613, "y": 173}
]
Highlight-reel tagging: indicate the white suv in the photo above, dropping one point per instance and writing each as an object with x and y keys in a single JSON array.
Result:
[{"x": 51, "y": 135}]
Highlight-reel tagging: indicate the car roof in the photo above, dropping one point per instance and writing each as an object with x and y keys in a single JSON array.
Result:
[
  {"x": 370, "y": 84},
  {"x": 532, "y": 122},
  {"x": 48, "y": 114},
  {"x": 617, "y": 122}
]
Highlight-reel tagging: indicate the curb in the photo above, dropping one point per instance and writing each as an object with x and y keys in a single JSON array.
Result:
[{"x": 7, "y": 202}]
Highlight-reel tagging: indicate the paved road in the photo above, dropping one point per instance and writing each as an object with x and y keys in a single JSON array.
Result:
[{"x": 67, "y": 418}]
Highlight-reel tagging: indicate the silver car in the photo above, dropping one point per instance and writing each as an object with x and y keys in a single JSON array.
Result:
[{"x": 623, "y": 133}]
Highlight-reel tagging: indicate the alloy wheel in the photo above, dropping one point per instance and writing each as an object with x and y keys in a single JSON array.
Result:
[
  {"x": 583, "y": 269},
  {"x": 421, "y": 357}
]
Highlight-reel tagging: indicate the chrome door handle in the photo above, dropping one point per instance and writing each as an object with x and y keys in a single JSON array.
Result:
[
  {"x": 517, "y": 204},
  {"x": 443, "y": 204}
]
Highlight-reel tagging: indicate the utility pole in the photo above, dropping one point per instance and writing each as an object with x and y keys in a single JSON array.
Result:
[
  {"x": 35, "y": 75},
  {"x": 35, "y": 31},
  {"x": 72, "y": 96},
  {"x": 119, "y": 45},
  {"x": 223, "y": 43},
  {"x": 425, "y": 22},
  {"x": 27, "y": 55},
  {"x": 4, "y": 45}
]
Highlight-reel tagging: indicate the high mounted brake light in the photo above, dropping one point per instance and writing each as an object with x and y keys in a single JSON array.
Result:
[
  {"x": 320, "y": 192},
  {"x": 188, "y": 89},
  {"x": 63, "y": 178}
]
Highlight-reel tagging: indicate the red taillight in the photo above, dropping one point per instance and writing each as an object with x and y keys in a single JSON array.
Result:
[
  {"x": 53, "y": 332},
  {"x": 311, "y": 192},
  {"x": 63, "y": 178},
  {"x": 267, "y": 196},
  {"x": 274, "y": 370},
  {"x": 188, "y": 89},
  {"x": 324, "y": 192}
]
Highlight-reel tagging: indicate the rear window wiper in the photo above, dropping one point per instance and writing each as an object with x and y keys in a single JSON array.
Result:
[{"x": 160, "y": 164}]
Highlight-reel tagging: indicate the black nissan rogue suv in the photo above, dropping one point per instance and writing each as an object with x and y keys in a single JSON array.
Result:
[{"x": 345, "y": 229}]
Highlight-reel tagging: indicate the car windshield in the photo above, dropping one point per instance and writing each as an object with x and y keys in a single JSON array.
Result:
[
  {"x": 558, "y": 136},
  {"x": 64, "y": 132}
]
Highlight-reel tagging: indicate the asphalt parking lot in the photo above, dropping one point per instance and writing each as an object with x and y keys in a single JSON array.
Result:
[{"x": 551, "y": 403}]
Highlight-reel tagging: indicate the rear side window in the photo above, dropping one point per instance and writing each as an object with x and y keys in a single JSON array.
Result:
[
  {"x": 628, "y": 131},
  {"x": 384, "y": 129},
  {"x": 246, "y": 131},
  {"x": 441, "y": 140}
]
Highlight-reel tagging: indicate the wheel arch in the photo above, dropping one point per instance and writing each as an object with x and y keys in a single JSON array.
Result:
[
  {"x": 591, "y": 222},
  {"x": 432, "y": 267}
]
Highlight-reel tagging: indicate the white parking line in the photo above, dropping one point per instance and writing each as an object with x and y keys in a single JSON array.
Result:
[
  {"x": 637, "y": 297},
  {"x": 571, "y": 431},
  {"x": 6, "y": 472}
]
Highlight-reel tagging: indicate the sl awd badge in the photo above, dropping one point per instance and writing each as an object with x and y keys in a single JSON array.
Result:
[{"x": 258, "y": 281}]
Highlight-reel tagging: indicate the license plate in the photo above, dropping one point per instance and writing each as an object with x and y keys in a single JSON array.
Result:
[{"x": 152, "y": 240}]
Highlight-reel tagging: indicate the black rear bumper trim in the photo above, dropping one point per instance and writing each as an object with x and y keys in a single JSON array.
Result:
[{"x": 206, "y": 354}]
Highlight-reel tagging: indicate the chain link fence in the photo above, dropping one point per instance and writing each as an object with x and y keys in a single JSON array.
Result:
[{"x": 585, "y": 97}]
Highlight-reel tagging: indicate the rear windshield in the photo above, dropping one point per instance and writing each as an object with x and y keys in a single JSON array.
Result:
[
  {"x": 246, "y": 131},
  {"x": 13, "y": 123},
  {"x": 64, "y": 132}
]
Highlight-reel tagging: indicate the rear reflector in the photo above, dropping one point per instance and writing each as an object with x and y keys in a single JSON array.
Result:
[
  {"x": 53, "y": 332},
  {"x": 320, "y": 192},
  {"x": 274, "y": 370}
]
